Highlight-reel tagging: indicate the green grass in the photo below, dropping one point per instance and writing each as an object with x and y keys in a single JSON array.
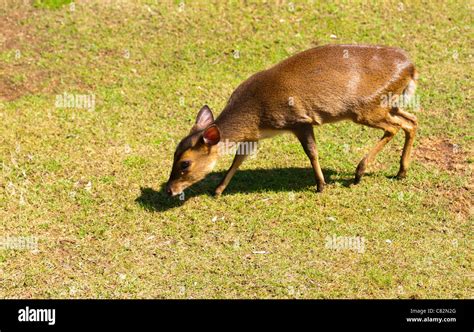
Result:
[
  {"x": 50, "y": 4},
  {"x": 88, "y": 183}
]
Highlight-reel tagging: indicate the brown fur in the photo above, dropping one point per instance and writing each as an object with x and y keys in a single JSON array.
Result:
[{"x": 321, "y": 85}]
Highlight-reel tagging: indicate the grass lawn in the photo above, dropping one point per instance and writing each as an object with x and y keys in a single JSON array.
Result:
[{"x": 87, "y": 183}]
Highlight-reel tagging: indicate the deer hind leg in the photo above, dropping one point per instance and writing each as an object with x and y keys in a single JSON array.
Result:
[
  {"x": 409, "y": 125},
  {"x": 389, "y": 133},
  {"x": 391, "y": 124}
]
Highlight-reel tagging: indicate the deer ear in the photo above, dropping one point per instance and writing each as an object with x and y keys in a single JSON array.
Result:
[
  {"x": 211, "y": 135},
  {"x": 204, "y": 118}
]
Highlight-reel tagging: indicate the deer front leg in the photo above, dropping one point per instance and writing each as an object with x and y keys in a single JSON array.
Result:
[
  {"x": 239, "y": 158},
  {"x": 305, "y": 135}
]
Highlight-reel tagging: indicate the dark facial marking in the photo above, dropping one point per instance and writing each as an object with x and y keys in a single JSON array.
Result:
[{"x": 185, "y": 164}]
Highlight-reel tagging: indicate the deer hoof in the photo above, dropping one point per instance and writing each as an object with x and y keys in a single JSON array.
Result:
[{"x": 401, "y": 175}]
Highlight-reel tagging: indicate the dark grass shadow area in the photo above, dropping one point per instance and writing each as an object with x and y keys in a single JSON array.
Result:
[{"x": 244, "y": 181}]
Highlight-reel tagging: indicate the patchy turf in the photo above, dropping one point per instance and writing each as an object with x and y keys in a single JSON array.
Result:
[
  {"x": 443, "y": 154},
  {"x": 87, "y": 181}
]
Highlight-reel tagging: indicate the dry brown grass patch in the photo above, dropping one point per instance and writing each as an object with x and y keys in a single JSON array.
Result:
[
  {"x": 442, "y": 153},
  {"x": 21, "y": 77}
]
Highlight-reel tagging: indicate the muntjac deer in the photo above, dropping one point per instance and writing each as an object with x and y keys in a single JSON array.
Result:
[{"x": 321, "y": 85}]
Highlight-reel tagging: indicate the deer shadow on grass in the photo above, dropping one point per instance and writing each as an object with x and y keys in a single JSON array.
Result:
[{"x": 244, "y": 181}]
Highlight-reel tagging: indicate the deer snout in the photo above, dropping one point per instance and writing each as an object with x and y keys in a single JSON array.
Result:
[
  {"x": 171, "y": 191},
  {"x": 168, "y": 190}
]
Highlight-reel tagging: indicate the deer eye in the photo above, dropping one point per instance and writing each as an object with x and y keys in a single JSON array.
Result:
[{"x": 184, "y": 165}]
